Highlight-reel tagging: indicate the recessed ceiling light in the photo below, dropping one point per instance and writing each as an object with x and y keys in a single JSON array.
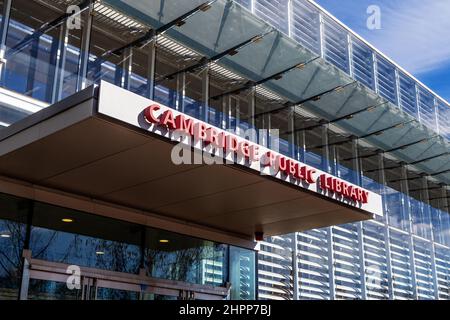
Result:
[
  {"x": 164, "y": 241},
  {"x": 67, "y": 220},
  {"x": 99, "y": 253}
]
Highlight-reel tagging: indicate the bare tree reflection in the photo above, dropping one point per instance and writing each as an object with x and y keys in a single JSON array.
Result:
[{"x": 11, "y": 246}]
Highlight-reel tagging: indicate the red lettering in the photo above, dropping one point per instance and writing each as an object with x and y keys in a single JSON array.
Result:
[
  {"x": 310, "y": 175},
  {"x": 244, "y": 149},
  {"x": 167, "y": 119},
  {"x": 149, "y": 113},
  {"x": 231, "y": 143},
  {"x": 282, "y": 164},
  {"x": 269, "y": 159},
  {"x": 200, "y": 131},
  {"x": 360, "y": 192},
  {"x": 345, "y": 192},
  {"x": 354, "y": 193},
  {"x": 365, "y": 197},
  {"x": 184, "y": 124},
  {"x": 297, "y": 173},
  {"x": 212, "y": 136},
  {"x": 254, "y": 152},
  {"x": 303, "y": 173},
  {"x": 323, "y": 182},
  {"x": 292, "y": 168},
  {"x": 338, "y": 186}
]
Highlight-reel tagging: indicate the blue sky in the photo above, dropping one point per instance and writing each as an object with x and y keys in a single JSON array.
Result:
[{"x": 414, "y": 33}]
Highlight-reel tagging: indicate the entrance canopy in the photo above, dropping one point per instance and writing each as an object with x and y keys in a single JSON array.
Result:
[{"x": 94, "y": 144}]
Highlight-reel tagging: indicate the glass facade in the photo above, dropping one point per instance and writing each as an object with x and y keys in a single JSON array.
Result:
[
  {"x": 401, "y": 255},
  {"x": 398, "y": 256},
  {"x": 72, "y": 237},
  {"x": 12, "y": 238}
]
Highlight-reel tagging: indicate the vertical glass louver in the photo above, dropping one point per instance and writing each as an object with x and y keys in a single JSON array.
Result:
[
  {"x": 313, "y": 264},
  {"x": 424, "y": 274},
  {"x": 335, "y": 45},
  {"x": 318, "y": 32},
  {"x": 402, "y": 276},
  {"x": 362, "y": 63},
  {"x": 443, "y": 119},
  {"x": 427, "y": 111},
  {"x": 274, "y": 12},
  {"x": 275, "y": 269},
  {"x": 346, "y": 263},
  {"x": 408, "y": 101},
  {"x": 245, "y": 3},
  {"x": 442, "y": 257},
  {"x": 386, "y": 79},
  {"x": 375, "y": 261},
  {"x": 306, "y": 25}
]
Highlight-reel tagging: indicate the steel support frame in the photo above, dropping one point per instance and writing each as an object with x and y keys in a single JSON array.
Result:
[
  {"x": 205, "y": 93},
  {"x": 331, "y": 263},
  {"x": 127, "y": 65},
  {"x": 180, "y": 92},
  {"x": 31, "y": 72},
  {"x": 387, "y": 231},
  {"x": 4, "y": 25},
  {"x": 359, "y": 225},
  {"x": 58, "y": 79},
  {"x": 426, "y": 197},
  {"x": 290, "y": 14},
  {"x": 295, "y": 270},
  {"x": 291, "y": 129},
  {"x": 406, "y": 205},
  {"x": 251, "y": 112},
  {"x": 376, "y": 86},
  {"x": 151, "y": 69},
  {"x": 85, "y": 48},
  {"x": 330, "y": 242}
]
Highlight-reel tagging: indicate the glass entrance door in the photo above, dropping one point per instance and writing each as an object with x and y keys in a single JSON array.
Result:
[{"x": 52, "y": 281}]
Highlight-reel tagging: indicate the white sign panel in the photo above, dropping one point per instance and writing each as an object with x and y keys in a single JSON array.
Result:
[{"x": 229, "y": 147}]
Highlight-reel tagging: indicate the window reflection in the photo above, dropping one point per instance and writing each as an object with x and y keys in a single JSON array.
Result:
[
  {"x": 51, "y": 290},
  {"x": 13, "y": 212},
  {"x": 116, "y": 294},
  {"x": 177, "y": 257},
  {"x": 242, "y": 274},
  {"x": 67, "y": 236},
  {"x": 34, "y": 67}
]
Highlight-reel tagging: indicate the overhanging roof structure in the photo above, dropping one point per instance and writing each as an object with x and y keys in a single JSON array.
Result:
[
  {"x": 386, "y": 127},
  {"x": 75, "y": 147}
]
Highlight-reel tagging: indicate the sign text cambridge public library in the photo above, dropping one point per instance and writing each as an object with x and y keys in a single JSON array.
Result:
[{"x": 230, "y": 143}]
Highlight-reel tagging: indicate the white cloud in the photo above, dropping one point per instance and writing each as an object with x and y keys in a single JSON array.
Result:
[{"x": 415, "y": 34}]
